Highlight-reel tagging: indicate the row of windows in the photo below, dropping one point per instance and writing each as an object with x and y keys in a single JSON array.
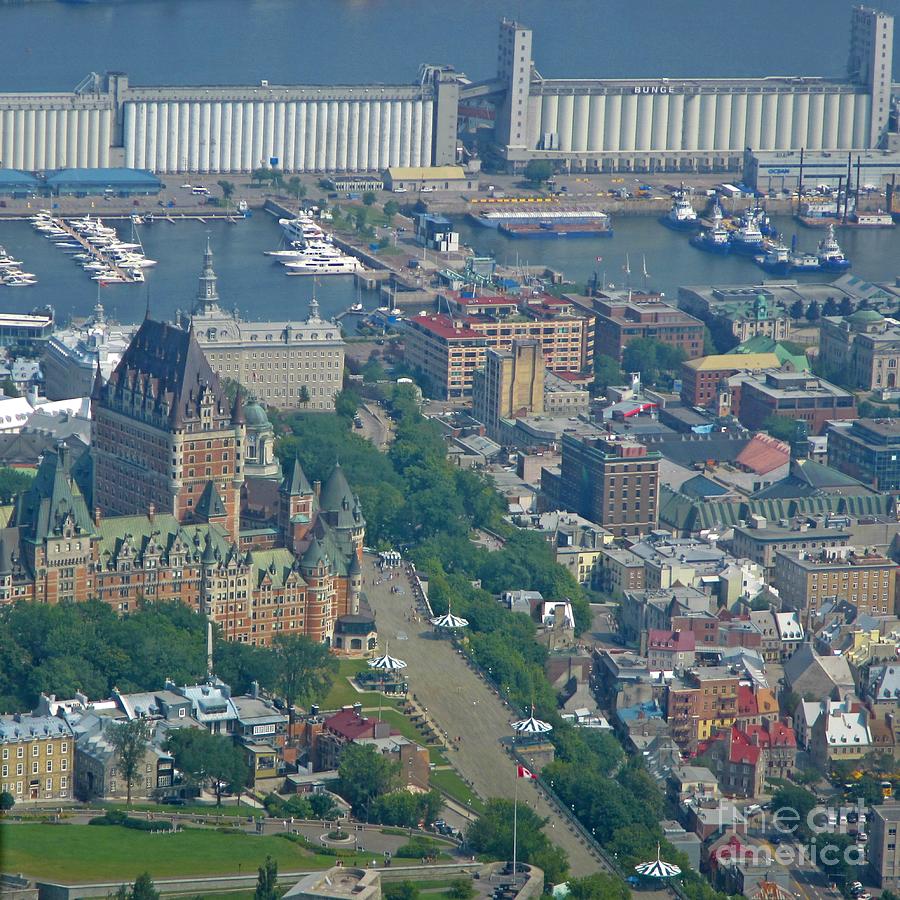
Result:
[
  {"x": 35, "y": 767},
  {"x": 16, "y": 787},
  {"x": 35, "y": 749}
]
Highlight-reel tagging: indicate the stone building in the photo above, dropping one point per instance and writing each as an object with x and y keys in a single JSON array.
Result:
[
  {"x": 36, "y": 758},
  {"x": 287, "y": 365},
  {"x": 864, "y": 347}
]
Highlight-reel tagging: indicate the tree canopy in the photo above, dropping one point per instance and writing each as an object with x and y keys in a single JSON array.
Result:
[
  {"x": 304, "y": 669},
  {"x": 492, "y": 834},
  {"x": 656, "y": 361},
  {"x": 364, "y": 775},
  {"x": 129, "y": 739},
  {"x": 206, "y": 758}
]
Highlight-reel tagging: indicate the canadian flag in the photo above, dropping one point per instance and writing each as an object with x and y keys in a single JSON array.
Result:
[{"x": 522, "y": 772}]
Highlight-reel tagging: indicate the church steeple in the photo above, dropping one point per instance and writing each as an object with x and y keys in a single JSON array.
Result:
[{"x": 207, "y": 290}]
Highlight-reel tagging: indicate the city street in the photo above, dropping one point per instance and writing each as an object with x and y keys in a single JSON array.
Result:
[{"x": 465, "y": 707}]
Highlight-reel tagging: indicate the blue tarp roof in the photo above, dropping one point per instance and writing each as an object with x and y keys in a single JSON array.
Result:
[
  {"x": 104, "y": 177},
  {"x": 15, "y": 178}
]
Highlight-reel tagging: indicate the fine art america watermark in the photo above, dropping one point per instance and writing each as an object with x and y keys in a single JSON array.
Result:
[{"x": 799, "y": 840}]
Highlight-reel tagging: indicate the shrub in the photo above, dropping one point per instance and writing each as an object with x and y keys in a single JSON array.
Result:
[
  {"x": 417, "y": 847},
  {"x": 117, "y": 817}
]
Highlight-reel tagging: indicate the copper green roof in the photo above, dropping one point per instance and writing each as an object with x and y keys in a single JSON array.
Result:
[
  {"x": 52, "y": 499},
  {"x": 295, "y": 483},
  {"x": 255, "y": 415},
  {"x": 865, "y": 316},
  {"x": 278, "y": 565}
]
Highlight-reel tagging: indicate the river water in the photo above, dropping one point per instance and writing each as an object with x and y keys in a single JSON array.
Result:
[{"x": 51, "y": 45}]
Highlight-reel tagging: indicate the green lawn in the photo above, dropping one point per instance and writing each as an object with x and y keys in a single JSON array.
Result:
[
  {"x": 343, "y": 693},
  {"x": 436, "y": 756},
  {"x": 73, "y": 853},
  {"x": 449, "y": 782},
  {"x": 401, "y": 723}
]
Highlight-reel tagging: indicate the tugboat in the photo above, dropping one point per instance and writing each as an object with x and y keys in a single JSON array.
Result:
[
  {"x": 715, "y": 239},
  {"x": 831, "y": 257},
  {"x": 805, "y": 262},
  {"x": 682, "y": 216},
  {"x": 747, "y": 238},
  {"x": 776, "y": 259}
]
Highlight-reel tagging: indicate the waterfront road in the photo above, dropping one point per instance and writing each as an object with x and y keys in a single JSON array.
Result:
[{"x": 463, "y": 706}]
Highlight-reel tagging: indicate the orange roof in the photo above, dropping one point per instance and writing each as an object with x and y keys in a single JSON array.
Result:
[{"x": 763, "y": 454}]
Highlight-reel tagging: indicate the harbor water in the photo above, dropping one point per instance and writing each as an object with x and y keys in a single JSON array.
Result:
[
  {"x": 671, "y": 261},
  {"x": 255, "y": 284}
]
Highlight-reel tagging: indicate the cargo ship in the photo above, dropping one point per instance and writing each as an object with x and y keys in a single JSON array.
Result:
[{"x": 600, "y": 227}]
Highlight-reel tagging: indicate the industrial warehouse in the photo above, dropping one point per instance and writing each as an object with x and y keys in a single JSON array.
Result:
[{"x": 581, "y": 125}]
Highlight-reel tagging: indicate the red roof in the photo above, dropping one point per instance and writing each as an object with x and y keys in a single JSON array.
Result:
[
  {"x": 350, "y": 725},
  {"x": 747, "y": 705},
  {"x": 763, "y": 454},
  {"x": 742, "y": 751},
  {"x": 677, "y": 641},
  {"x": 443, "y": 326},
  {"x": 772, "y": 734}
]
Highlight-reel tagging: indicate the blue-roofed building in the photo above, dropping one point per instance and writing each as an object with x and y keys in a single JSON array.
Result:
[
  {"x": 436, "y": 232},
  {"x": 122, "y": 182},
  {"x": 14, "y": 183}
]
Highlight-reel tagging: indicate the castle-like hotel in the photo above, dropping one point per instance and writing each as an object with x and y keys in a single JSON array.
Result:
[{"x": 181, "y": 497}]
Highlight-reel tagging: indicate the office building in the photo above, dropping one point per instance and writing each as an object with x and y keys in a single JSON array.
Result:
[
  {"x": 37, "y": 756},
  {"x": 793, "y": 395},
  {"x": 868, "y": 450},
  {"x": 286, "y": 365},
  {"x": 510, "y": 385},
  {"x": 864, "y": 347},
  {"x": 884, "y": 858},
  {"x": 702, "y": 378},
  {"x": 807, "y": 581},
  {"x": 614, "y": 483},
  {"x": 619, "y": 322}
]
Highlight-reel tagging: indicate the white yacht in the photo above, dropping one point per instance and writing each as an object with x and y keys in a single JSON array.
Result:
[{"x": 343, "y": 265}]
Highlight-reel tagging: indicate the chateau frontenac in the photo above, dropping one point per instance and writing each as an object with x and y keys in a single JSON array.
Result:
[{"x": 181, "y": 497}]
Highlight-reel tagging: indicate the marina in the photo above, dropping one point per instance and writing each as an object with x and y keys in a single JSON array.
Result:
[{"x": 96, "y": 247}]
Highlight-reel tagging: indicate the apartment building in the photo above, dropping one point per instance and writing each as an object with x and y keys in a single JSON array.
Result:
[
  {"x": 446, "y": 350},
  {"x": 701, "y": 702}
]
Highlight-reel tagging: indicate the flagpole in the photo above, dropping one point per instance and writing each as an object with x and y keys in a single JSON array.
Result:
[{"x": 515, "y": 822}]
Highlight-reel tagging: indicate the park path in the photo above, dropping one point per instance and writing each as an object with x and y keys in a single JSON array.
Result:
[{"x": 463, "y": 706}]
